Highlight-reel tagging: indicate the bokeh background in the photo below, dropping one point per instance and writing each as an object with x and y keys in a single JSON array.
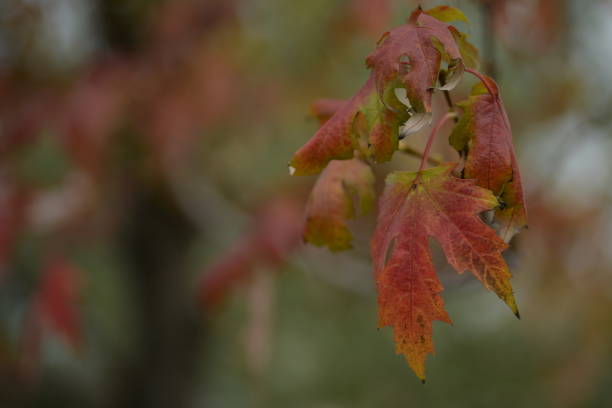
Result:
[{"x": 150, "y": 250}]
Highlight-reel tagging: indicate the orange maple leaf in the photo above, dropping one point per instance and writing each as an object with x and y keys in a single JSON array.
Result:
[{"x": 414, "y": 207}]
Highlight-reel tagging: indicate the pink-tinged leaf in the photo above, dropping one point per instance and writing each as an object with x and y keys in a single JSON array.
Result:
[
  {"x": 331, "y": 202},
  {"x": 335, "y": 140},
  {"x": 484, "y": 133},
  {"x": 414, "y": 207},
  {"x": 361, "y": 124},
  {"x": 409, "y": 56}
]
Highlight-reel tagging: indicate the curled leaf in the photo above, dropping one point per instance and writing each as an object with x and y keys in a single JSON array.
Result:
[
  {"x": 410, "y": 56},
  {"x": 331, "y": 202},
  {"x": 484, "y": 133},
  {"x": 416, "y": 122}
]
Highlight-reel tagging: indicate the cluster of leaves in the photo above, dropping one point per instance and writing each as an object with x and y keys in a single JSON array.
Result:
[{"x": 472, "y": 208}]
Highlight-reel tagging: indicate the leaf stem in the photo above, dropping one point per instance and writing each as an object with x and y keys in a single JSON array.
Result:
[
  {"x": 447, "y": 116},
  {"x": 484, "y": 81}
]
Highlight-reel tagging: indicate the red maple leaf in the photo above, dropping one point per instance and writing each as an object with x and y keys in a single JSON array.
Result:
[
  {"x": 408, "y": 57},
  {"x": 414, "y": 207},
  {"x": 484, "y": 134}
]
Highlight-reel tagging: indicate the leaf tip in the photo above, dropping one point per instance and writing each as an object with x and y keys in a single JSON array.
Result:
[{"x": 511, "y": 302}]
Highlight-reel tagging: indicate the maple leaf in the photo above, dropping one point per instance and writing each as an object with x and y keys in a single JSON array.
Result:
[
  {"x": 484, "y": 133},
  {"x": 408, "y": 57},
  {"x": 414, "y": 207},
  {"x": 331, "y": 202},
  {"x": 362, "y": 123},
  {"x": 447, "y": 14}
]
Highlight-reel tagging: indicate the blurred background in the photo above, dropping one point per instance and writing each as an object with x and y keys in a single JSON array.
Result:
[{"x": 150, "y": 249}]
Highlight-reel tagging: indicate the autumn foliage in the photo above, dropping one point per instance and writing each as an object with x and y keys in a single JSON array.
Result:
[{"x": 472, "y": 207}]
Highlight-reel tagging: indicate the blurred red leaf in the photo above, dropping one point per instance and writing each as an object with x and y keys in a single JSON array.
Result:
[
  {"x": 93, "y": 109},
  {"x": 53, "y": 309},
  {"x": 372, "y": 16},
  {"x": 528, "y": 25},
  {"x": 57, "y": 301},
  {"x": 274, "y": 234}
]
